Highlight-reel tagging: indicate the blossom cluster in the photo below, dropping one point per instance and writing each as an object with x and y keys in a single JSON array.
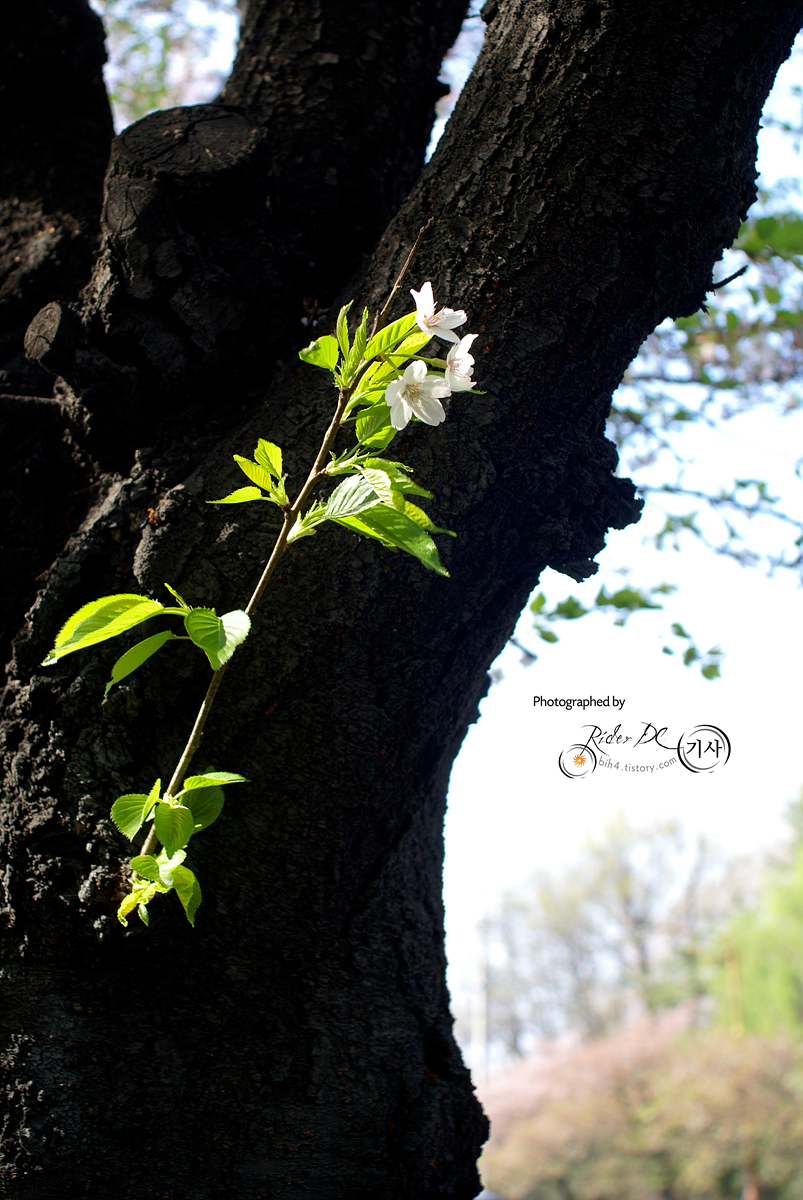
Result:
[{"x": 419, "y": 393}]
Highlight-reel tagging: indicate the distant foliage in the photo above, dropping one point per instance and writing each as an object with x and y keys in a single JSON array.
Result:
[
  {"x": 629, "y": 928},
  {"x": 645, "y": 1117},
  {"x": 158, "y": 52}
]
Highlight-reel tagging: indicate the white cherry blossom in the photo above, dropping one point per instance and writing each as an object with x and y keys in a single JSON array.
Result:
[
  {"x": 416, "y": 394},
  {"x": 440, "y": 323},
  {"x": 460, "y": 365}
]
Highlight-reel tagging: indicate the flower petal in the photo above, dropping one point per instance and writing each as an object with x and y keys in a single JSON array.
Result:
[
  {"x": 428, "y": 409},
  {"x": 424, "y": 300}
]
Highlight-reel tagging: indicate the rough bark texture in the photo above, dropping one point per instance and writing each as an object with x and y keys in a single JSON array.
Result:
[
  {"x": 298, "y": 1041},
  {"x": 55, "y": 131}
]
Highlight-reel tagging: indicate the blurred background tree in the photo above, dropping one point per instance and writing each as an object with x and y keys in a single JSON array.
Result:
[
  {"x": 656, "y": 1114},
  {"x": 160, "y": 52},
  {"x": 672, "y": 987},
  {"x": 629, "y": 928}
]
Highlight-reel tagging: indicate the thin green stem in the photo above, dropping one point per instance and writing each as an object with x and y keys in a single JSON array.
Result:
[{"x": 290, "y": 516}]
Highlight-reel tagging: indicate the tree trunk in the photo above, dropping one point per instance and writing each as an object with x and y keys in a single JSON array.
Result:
[{"x": 298, "y": 1041}]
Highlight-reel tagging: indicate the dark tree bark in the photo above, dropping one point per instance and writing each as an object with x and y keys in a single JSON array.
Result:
[{"x": 298, "y": 1041}]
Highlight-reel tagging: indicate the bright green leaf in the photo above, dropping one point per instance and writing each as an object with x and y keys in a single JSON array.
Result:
[
  {"x": 183, "y": 603},
  {"x": 389, "y": 337},
  {"x": 167, "y": 866},
  {"x": 188, "y": 890},
  {"x": 343, "y": 328},
  {"x": 128, "y": 813},
  {"x": 374, "y": 428},
  {"x": 210, "y": 778},
  {"x": 217, "y": 636},
  {"x": 136, "y": 656},
  {"x": 174, "y": 826},
  {"x": 269, "y": 456},
  {"x": 398, "y": 476},
  {"x": 357, "y": 350},
  {"x": 394, "y": 529},
  {"x": 103, "y": 619},
  {"x": 350, "y": 497},
  {"x": 321, "y": 353},
  {"x": 236, "y": 627},
  {"x": 382, "y": 484},
  {"x": 240, "y": 496},
  {"x": 255, "y": 472},
  {"x": 147, "y": 866}
]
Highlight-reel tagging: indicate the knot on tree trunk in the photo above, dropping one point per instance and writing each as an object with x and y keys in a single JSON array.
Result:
[{"x": 194, "y": 282}]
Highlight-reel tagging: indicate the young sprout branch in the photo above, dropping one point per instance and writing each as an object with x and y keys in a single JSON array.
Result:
[{"x": 383, "y": 383}]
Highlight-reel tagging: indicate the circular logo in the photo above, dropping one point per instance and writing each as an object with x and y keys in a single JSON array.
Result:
[
  {"x": 577, "y": 761},
  {"x": 704, "y": 749}
]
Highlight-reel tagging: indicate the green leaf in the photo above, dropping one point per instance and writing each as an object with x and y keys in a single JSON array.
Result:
[
  {"x": 627, "y": 599},
  {"x": 269, "y": 456},
  {"x": 374, "y": 428},
  {"x": 136, "y": 656},
  {"x": 357, "y": 350},
  {"x": 321, "y": 353},
  {"x": 350, "y": 497},
  {"x": 382, "y": 484},
  {"x": 129, "y": 812},
  {"x": 236, "y": 627},
  {"x": 141, "y": 892},
  {"x": 398, "y": 477},
  {"x": 396, "y": 530},
  {"x": 240, "y": 496},
  {"x": 422, "y": 520},
  {"x": 210, "y": 779},
  {"x": 173, "y": 592},
  {"x": 188, "y": 890},
  {"x": 255, "y": 472},
  {"x": 147, "y": 866},
  {"x": 167, "y": 866},
  {"x": 678, "y": 630},
  {"x": 570, "y": 609},
  {"x": 203, "y": 795},
  {"x": 217, "y": 636},
  {"x": 143, "y": 914},
  {"x": 389, "y": 337},
  {"x": 411, "y": 345},
  {"x": 710, "y": 671},
  {"x": 547, "y": 635},
  {"x": 343, "y": 328},
  {"x": 205, "y": 804},
  {"x": 174, "y": 826},
  {"x": 691, "y": 655},
  {"x": 538, "y": 603},
  {"x": 305, "y": 525},
  {"x": 103, "y": 619}
]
